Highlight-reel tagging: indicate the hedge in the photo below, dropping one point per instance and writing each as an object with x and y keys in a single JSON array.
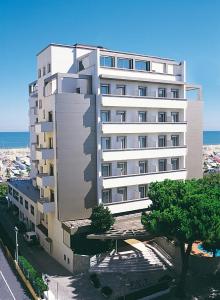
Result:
[{"x": 32, "y": 275}]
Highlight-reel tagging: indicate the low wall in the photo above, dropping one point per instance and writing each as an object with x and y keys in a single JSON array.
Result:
[
  {"x": 172, "y": 250},
  {"x": 204, "y": 264},
  {"x": 81, "y": 263}
]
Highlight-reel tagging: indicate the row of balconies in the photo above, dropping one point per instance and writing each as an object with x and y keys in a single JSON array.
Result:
[
  {"x": 142, "y": 153},
  {"x": 124, "y": 128},
  {"x": 140, "y": 179}
]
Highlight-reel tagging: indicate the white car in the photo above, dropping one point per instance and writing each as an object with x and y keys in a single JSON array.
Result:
[{"x": 31, "y": 237}]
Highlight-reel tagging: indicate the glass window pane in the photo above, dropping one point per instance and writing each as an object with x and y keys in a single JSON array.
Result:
[
  {"x": 142, "y": 91},
  {"x": 107, "y": 61},
  {"x": 124, "y": 63},
  {"x": 105, "y": 89},
  {"x": 142, "y": 65}
]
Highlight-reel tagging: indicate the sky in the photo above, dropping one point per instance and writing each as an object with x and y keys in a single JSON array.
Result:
[{"x": 183, "y": 30}]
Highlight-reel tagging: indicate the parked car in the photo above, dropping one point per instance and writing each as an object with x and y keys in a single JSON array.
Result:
[{"x": 31, "y": 238}]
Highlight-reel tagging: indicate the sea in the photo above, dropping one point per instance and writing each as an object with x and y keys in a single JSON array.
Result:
[{"x": 10, "y": 140}]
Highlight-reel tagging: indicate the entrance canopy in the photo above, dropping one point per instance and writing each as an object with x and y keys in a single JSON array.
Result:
[{"x": 125, "y": 227}]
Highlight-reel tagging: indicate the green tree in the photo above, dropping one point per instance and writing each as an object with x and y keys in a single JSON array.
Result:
[
  {"x": 102, "y": 219},
  {"x": 183, "y": 211},
  {"x": 3, "y": 190}
]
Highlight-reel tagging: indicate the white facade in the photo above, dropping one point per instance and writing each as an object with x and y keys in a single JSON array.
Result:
[{"x": 103, "y": 126}]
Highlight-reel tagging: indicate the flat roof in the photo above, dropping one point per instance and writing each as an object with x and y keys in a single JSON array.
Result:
[
  {"x": 93, "y": 47},
  {"x": 25, "y": 187}
]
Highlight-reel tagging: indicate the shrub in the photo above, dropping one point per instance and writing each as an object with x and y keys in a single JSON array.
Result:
[
  {"x": 106, "y": 291},
  {"x": 95, "y": 281},
  {"x": 102, "y": 219},
  {"x": 32, "y": 275}
]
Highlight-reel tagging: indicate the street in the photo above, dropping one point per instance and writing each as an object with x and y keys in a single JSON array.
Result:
[
  {"x": 63, "y": 284},
  {"x": 10, "y": 286}
]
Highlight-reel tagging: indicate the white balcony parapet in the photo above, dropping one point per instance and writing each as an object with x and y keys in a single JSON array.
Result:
[
  {"x": 45, "y": 206},
  {"x": 137, "y": 179},
  {"x": 45, "y": 180},
  {"x": 130, "y": 205},
  {"x": 124, "y": 128},
  {"x": 44, "y": 127},
  {"x": 142, "y": 153},
  {"x": 145, "y": 102},
  {"x": 44, "y": 153}
]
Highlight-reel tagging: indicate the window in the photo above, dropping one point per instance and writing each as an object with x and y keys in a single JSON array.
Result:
[
  {"x": 122, "y": 167},
  {"x": 175, "y": 117},
  {"x": 122, "y": 191},
  {"x": 21, "y": 200},
  {"x": 107, "y": 61},
  {"x": 50, "y": 116},
  {"x": 162, "y": 141},
  {"x": 175, "y": 140},
  {"x": 142, "y": 116},
  {"x": 78, "y": 90},
  {"x": 51, "y": 170},
  {"x": 175, "y": 93},
  {"x": 142, "y": 141},
  {"x": 142, "y": 65},
  {"x": 106, "y": 196},
  {"x": 50, "y": 143},
  {"x": 122, "y": 140},
  {"x": 124, "y": 63},
  {"x": 106, "y": 143},
  {"x": 143, "y": 189},
  {"x": 51, "y": 196},
  {"x": 121, "y": 89},
  {"x": 44, "y": 71},
  {"x": 105, "y": 89},
  {"x": 162, "y": 165},
  {"x": 10, "y": 190},
  {"x": 162, "y": 117},
  {"x": 175, "y": 163},
  {"x": 105, "y": 116},
  {"x": 64, "y": 257},
  {"x": 48, "y": 68},
  {"x": 40, "y": 103},
  {"x": 142, "y": 91},
  {"x": 106, "y": 170},
  {"x": 39, "y": 73},
  {"x": 162, "y": 92},
  {"x": 32, "y": 210},
  {"x": 26, "y": 204},
  {"x": 16, "y": 195},
  {"x": 121, "y": 116},
  {"x": 81, "y": 66},
  {"x": 143, "y": 166},
  {"x": 36, "y": 103}
]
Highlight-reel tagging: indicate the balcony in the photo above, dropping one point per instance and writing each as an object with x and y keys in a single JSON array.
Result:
[
  {"x": 130, "y": 205},
  {"x": 44, "y": 153},
  {"x": 142, "y": 102},
  {"x": 45, "y": 180},
  {"x": 139, "y": 128},
  {"x": 45, "y": 206},
  {"x": 44, "y": 127},
  {"x": 137, "y": 179},
  {"x": 142, "y": 153}
]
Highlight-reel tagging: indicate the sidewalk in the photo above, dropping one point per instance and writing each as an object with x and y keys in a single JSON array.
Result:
[{"x": 63, "y": 284}]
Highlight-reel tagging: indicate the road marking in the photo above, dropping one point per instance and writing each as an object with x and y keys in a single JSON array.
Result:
[{"x": 7, "y": 285}]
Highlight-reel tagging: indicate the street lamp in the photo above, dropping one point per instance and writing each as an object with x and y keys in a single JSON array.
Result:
[{"x": 16, "y": 244}]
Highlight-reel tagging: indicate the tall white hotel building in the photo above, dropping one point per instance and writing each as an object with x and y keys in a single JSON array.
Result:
[{"x": 103, "y": 125}]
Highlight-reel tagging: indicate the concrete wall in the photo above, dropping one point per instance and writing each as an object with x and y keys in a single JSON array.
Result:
[
  {"x": 76, "y": 155},
  {"x": 194, "y": 139}
]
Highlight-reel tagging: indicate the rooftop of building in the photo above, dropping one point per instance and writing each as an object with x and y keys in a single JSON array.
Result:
[
  {"x": 26, "y": 187},
  {"x": 93, "y": 47}
]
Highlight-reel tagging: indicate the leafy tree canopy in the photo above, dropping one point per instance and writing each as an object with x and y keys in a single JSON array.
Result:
[{"x": 102, "y": 219}]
